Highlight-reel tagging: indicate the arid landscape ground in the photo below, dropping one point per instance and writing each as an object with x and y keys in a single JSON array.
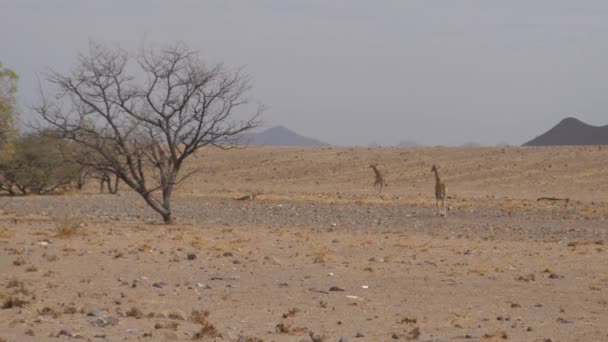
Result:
[{"x": 318, "y": 255}]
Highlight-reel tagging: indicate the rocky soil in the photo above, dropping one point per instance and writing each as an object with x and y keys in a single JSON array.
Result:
[{"x": 302, "y": 264}]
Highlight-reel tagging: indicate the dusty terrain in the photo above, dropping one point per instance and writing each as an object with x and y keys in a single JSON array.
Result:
[{"x": 319, "y": 253}]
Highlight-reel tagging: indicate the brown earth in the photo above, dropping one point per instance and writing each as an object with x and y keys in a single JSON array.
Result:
[{"x": 317, "y": 252}]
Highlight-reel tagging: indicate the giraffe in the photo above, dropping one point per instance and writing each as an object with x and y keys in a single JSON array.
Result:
[
  {"x": 379, "y": 183},
  {"x": 440, "y": 192}
]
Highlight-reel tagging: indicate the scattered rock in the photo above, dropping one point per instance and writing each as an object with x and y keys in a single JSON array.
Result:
[
  {"x": 408, "y": 320},
  {"x": 64, "y": 333},
  {"x": 316, "y": 338},
  {"x": 335, "y": 288},
  {"x": 413, "y": 334},
  {"x": 191, "y": 256},
  {"x": 96, "y": 313},
  {"x": 527, "y": 278},
  {"x": 105, "y": 321}
]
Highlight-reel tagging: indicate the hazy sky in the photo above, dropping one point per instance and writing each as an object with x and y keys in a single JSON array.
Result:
[{"x": 356, "y": 71}]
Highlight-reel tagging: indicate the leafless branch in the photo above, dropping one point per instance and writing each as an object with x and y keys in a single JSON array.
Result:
[{"x": 143, "y": 132}]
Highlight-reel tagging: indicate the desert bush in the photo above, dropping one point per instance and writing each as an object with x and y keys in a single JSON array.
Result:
[
  {"x": 8, "y": 109},
  {"x": 38, "y": 164}
]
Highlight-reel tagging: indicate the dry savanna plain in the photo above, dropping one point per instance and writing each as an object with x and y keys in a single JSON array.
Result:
[{"x": 317, "y": 255}]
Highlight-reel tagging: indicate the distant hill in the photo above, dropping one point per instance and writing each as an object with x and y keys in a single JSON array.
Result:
[
  {"x": 572, "y": 131},
  {"x": 278, "y": 136}
]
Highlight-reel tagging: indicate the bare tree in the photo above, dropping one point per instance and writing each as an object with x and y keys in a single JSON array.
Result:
[{"x": 143, "y": 132}]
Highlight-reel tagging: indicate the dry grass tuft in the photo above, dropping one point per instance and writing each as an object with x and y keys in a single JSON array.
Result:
[
  {"x": 199, "y": 317},
  {"x": 67, "y": 227},
  {"x": 168, "y": 325},
  {"x": 208, "y": 330},
  {"x": 291, "y": 312},
  {"x": 47, "y": 311},
  {"x": 19, "y": 296},
  {"x": 283, "y": 328},
  {"x": 70, "y": 310},
  {"x": 144, "y": 248},
  {"x": 135, "y": 312},
  {"x": 14, "y": 283},
  {"x": 175, "y": 316},
  {"x": 14, "y": 302},
  {"x": 19, "y": 261},
  {"x": 495, "y": 336},
  {"x": 320, "y": 256}
]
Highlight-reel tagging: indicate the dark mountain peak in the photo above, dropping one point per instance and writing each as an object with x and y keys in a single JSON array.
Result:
[
  {"x": 572, "y": 121},
  {"x": 279, "y": 136},
  {"x": 279, "y": 129},
  {"x": 572, "y": 131}
]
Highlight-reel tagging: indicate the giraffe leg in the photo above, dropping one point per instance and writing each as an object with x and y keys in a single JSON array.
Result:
[{"x": 437, "y": 205}]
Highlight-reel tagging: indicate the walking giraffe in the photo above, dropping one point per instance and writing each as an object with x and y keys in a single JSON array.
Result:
[
  {"x": 379, "y": 183},
  {"x": 440, "y": 192}
]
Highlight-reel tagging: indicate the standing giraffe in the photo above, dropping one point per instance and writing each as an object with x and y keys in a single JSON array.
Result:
[
  {"x": 440, "y": 192},
  {"x": 379, "y": 183}
]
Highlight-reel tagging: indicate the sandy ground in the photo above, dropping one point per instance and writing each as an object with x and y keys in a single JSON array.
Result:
[{"x": 317, "y": 256}]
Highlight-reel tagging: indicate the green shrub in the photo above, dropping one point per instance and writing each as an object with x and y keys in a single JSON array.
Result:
[{"x": 38, "y": 164}]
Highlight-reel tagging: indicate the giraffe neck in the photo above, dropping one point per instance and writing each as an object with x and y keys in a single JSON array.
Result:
[
  {"x": 375, "y": 170},
  {"x": 437, "y": 180}
]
